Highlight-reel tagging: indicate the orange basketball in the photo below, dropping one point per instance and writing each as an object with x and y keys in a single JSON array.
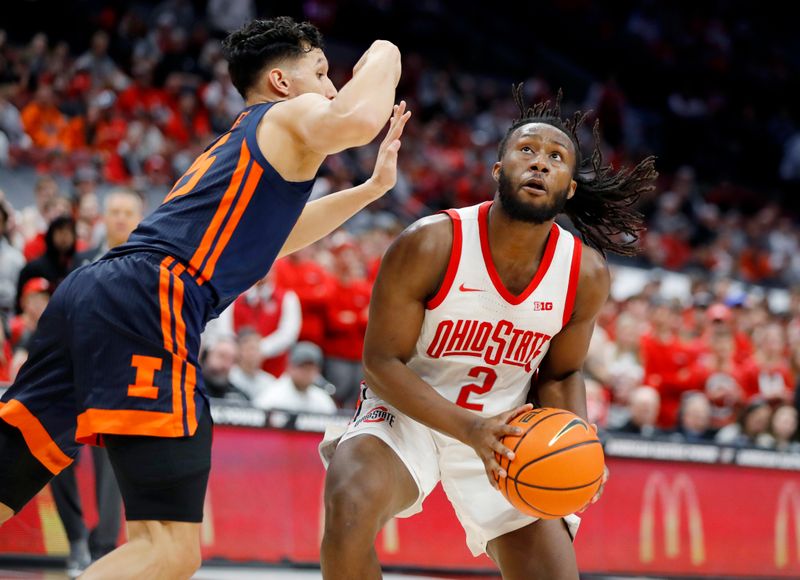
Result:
[{"x": 558, "y": 464}]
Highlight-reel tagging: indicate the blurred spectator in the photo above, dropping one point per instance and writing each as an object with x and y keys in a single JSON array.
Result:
[
  {"x": 665, "y": 359},
  {"x": 42, "y": 120},
  {"x": 721, "y": 375},
  {"x": 296, "y": 390},
  {"x": 247, "y": 375},
  {"x": 123, "y": 211},
  {"x": 643, "y": 408},
  {"x": 752, "y": 424},
  {"x": 274, "y": 313},
  {"x": 11, "y": 262},
  {"x": 58, "y": 258},
  {"x": 771, "y": 377},
  {"x": 312, "y": 283},
  {"x": 346, "y": 322},
  {"x": 783, "y": 432},
  {"x": 694, "y": 418},
  {"x": 36, "y": 246},
  {"x": 33, "y": 300},
  {"x": 102, "y": 70},
  {"x": 32, "y": 220},
  {"x": 596, "y": 403},
  {"x": 216, "y": 364}
]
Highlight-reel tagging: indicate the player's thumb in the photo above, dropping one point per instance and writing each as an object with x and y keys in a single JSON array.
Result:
[{"x": 394, "y": 147}]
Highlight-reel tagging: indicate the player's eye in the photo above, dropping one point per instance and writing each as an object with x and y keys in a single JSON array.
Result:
[
  {"x": 527, "y": 149},
  {"x": 556, "y": 155}
]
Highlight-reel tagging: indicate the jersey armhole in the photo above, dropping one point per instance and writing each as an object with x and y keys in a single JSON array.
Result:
[
  {"x": 574, "y": 274},
  {"x": 452, "y": 264}
]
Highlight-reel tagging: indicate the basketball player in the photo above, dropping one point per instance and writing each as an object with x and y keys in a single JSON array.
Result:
[
  {"x": 115, "y": 357},
  {"x": 467, "y": 306}
]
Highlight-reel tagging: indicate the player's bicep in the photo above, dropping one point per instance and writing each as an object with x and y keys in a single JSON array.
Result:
[
  {"x": 410, "y": 273},
  {"x": 323, "y": 127},
  {"x": 568, "y": 349}
]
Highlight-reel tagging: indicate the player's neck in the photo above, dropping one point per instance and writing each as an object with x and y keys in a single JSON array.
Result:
[{"x": 515, "y": 238}]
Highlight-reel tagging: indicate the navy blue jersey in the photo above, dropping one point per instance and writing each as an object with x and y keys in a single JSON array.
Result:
[{"x": 228, "y": 216}]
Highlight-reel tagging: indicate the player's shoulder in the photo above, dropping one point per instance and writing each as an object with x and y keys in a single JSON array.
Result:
[
  {"x": 291, "y": 110},
  {"x": 422, "y": 250},
  {"x": 594, "y": 266},
  {"x": 594, "y": 282}
]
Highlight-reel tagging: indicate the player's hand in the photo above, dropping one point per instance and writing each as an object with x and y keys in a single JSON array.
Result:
[
  {"x": 603, "y": 481},
  {"x": 384, "y": 176},
  {"x": 484, "y": 437}
]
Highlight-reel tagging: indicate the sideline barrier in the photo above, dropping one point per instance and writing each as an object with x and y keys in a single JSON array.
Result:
[{"x": 669, "y": 508}]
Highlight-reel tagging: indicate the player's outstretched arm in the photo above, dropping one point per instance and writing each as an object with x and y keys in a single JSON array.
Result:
[
  {"x": 358, "y": 112},
  {"x": 321, "y": 217},
  {"x": 411, "y": 272}
]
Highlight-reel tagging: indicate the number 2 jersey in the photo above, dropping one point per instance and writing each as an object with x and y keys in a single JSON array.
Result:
[
  {"x": 228, "y": 216},
  {"x": 480, "y": 344}
]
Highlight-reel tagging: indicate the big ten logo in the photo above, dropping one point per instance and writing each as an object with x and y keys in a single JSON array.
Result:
[
  {"x": 788, "y": 507},
  {"x": 543, "y": 306},
  {"x": 388, "y": 539},
  {"x": 673, "y": 497}
]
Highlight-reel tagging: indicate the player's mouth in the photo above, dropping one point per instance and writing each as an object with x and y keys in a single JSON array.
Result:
[{"x": 535, "y": 186}]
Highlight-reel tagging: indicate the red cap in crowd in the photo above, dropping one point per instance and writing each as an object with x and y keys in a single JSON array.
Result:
[
  {"x": 719, "y": 312},
  {"x": 35, "y": 285}
]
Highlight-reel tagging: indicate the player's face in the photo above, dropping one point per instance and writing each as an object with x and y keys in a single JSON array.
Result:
[
  {"x": 535, "y": 174},
  {"x": 309, "y": 74},
  {"x": 123, "y": 213}
]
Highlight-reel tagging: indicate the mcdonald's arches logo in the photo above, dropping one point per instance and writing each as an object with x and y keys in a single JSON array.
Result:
[
  {"x": 788, "y": 505},
  {"x": 670, "y": 494}
]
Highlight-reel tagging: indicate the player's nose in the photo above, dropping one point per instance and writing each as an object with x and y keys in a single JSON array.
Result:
[{"x": 330, "y": 90}]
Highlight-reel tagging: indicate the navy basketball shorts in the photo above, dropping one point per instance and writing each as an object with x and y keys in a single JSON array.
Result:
[{"x": 114, "y": 358}]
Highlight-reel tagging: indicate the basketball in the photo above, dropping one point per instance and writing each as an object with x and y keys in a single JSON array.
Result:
[{"x": 557, "y": 467}]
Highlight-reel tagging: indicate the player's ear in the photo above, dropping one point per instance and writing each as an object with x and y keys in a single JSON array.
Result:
[
  {"x": 496, "y": 171},
  {"x": 278, "y": 81},
  {"x": 573, "y": 185}
]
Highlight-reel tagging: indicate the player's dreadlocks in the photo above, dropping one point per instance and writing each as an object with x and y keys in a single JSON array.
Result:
[{"x": 602, "y": 206}]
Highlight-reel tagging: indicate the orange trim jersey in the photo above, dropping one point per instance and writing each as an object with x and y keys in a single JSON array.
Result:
[{"x": 228, "y": 216}]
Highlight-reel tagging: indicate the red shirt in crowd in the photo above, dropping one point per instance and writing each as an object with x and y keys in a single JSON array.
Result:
[
  {"x": 313, "y": 285},
  {"x": 665, "y": 369},
  {"x": 263, "y": 316},
  {"x": 346, "y": 320}
]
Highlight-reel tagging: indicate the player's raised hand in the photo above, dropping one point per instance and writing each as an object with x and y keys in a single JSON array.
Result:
[
  {"x": 385, "y": 174},
  {"x": 484, "y": 437}
]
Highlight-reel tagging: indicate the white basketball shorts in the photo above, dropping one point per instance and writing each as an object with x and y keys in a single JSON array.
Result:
[{"x": 432, "y": 457}]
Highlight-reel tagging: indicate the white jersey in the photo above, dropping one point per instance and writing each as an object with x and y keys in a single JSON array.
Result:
[{"x": 480, "y": 344}]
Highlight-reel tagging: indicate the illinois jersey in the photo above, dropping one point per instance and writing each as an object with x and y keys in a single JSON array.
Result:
[
  {"x": 227, "y": 217},
  {"x": 480, "y": 344}
]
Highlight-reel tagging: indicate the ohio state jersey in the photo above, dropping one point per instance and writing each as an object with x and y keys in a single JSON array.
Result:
[{"x": 480, "y": 344}]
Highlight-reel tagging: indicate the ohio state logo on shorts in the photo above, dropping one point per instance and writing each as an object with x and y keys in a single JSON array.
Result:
[{"x": 377, "y": 415}]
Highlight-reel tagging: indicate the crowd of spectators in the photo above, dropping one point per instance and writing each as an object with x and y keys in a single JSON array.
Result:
[{"x": 132, "y": 106}]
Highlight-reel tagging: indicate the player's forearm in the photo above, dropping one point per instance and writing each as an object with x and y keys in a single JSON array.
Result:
[
  {"x": 568, "y": 393},
  {"x": 323, "y": 216},
  {"x": 369, "y": 96},
  {"x": 402, "y": 388}
]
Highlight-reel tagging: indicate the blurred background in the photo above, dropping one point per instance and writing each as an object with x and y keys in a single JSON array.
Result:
[{"x": 692, "y": 371}]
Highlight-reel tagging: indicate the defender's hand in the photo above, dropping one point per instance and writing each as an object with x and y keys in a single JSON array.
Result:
[
  {"x": 384, "y": 176},
  {"x": 484, "y": 437}
]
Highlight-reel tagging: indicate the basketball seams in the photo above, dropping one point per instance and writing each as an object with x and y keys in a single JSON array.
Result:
[
  {"x": 522, "y": 437},
  {"x": 557, "y": 488}
]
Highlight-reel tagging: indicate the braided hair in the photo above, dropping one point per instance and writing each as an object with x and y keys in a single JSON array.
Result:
[
  {"x": 602, "y": 207},
  {"x": 262, "y": 42}
]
